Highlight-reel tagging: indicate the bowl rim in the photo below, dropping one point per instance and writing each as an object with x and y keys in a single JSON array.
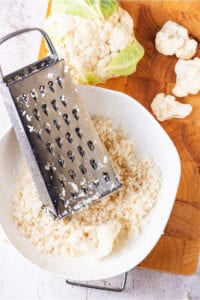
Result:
[{"x": 109, "y": 274}]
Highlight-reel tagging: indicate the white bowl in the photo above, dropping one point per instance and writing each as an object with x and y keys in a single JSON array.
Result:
[{"x": 151, "y": 139}]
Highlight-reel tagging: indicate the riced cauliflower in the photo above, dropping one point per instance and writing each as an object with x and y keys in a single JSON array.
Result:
[
  {"x": 173, "y": 39},
  {"x": 187, "y": 77},
  {"x": 166, "y": 107},
  {"x": 105, "y": 227},
  {"x": 95, "y": 48}
]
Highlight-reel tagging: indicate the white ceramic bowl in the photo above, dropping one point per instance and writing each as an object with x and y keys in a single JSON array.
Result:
[{"x": 151, "y": 139}]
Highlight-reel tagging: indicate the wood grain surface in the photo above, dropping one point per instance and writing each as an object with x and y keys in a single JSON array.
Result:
[{"x": 178, "y": 249}]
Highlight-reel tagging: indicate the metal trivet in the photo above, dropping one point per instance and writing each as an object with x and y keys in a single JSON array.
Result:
[{"x": 102, "y": 287}]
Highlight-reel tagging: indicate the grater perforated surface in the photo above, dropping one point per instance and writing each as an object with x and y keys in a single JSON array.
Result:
[{"x": 71, "y": 158}]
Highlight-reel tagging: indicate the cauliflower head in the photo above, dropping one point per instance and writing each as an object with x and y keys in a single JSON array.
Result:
[
  {"x": 166, "y": 107},
  {"x": 187, "y": 77},
  {"x": 173, "y": 39},
  {"x": 94, "y": 48}
]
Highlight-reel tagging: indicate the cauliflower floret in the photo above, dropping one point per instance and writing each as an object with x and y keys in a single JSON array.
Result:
[
  {"x": 87, "y": 45},
  {"x": 188, "y": 50},
  {"x": 119, "y": 39},
  {"x": 173, "y": 39},
  {"x": 187, "y": 77},
  {"x": 166, "y": 107}
]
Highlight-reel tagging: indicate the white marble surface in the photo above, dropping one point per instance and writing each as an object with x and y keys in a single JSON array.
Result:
[{"x": 19, "y": 279}]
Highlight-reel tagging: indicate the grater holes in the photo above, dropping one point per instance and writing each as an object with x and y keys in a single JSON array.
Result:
[
  {"x": 85, "y": 190},
  {"x": 61, "y": 161},
  {"x": 57, "y": 124},
  {"x": 50, "y": 85},
  {"x": 31, "y": 128},
  {"x": 42, "y": 90},
  {"x": 71, "y": 156},
  {"x": 44, "y": 109},
  {"x": 75, "y": 113},
  {"x": 54, "y": 105},
  {"x": 47, "y": 127},
  {"x": 49, "y": 147},
  {"x": 62, "y": 195},
  {"x": 25, "y": 99},
  {"x": 50, "y": 166},
  {"x": 59, "y": 142},
  {"x": 81, "y": 151},
  {"x": 106, "y": 177},
  {"x": 66, "y": 119},
  {"x": 34, "y": 94},
  {"x": 38, "y": 134},
  {"x": 78, "y": 132},
  {"x": 62, "y": 180},
  {"x": 63, "y": 100},
  {"x": 36, "y": 114},
  {"x": 90, "y": 145},
  {"x": 69, "y": 137},
  {"x": 96, "y": 183},
  {"x": 29, "y": 117},
  {"x": 59, "y": 82},
  {"x": 93, "y": 164},
  {"x": 72, "y": 174},
  {"x": 83, "y": 169},
  {"x": 74, "y": 194}
]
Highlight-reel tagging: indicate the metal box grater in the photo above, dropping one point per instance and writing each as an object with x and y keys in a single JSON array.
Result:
[{"x": 67, "y": 160}]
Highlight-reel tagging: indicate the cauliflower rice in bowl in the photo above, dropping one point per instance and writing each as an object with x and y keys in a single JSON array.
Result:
[{"x": 107, "y": 224}]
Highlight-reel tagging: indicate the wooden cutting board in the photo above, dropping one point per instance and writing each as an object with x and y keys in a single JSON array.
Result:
[{"x": 178, "y": 249}]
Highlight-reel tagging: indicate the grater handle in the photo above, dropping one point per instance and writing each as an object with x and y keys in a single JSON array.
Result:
[{"x": 44, "y": 34}]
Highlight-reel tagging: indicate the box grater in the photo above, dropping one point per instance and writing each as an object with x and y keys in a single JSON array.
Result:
[{"x": 67, "y": 160}]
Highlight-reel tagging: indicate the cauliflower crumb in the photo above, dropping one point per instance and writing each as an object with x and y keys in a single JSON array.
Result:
[
  {"x": 187, "y": 77},
  {"x": 166, "y": 107},
  {"x": 106, "y": 235},
  {"x": 173, "y": 39}
]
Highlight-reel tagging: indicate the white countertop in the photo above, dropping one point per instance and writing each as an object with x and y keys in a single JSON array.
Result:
[{"x": 21, "y": 280}]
